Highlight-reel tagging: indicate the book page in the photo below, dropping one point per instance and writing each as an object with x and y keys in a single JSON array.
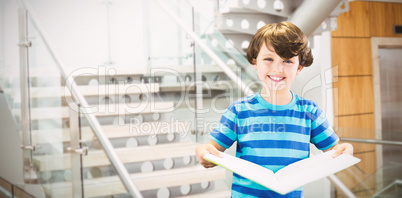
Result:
[
  {"x": 244, "y": 168},
  {"x": 303, "y": 164},
  {"x": 289, "y": 178},
  {"x": 305, "y": 171}
]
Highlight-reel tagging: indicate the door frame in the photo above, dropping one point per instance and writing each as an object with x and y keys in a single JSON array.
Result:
[{"x": 376, "y": 44}]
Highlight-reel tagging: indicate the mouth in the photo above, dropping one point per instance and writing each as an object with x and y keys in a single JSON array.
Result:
[{"x": 276, "y": 78}]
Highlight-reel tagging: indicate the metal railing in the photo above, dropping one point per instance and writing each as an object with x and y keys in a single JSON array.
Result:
[
  {"x": 372, "y": 141},
  {"x": 93, "y": 122},
  {"x": 207, "y": 50}
]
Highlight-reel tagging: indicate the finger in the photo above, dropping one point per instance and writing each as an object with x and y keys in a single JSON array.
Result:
[
  {"x": 348, "y": 149},
  {"x": 207, "y": 164},
  {"x": 211, "y": 149},
  {"x": 200, "y": 158},
  {"x": 338, "y": 150},
  {"x": 200, "y": 151}
]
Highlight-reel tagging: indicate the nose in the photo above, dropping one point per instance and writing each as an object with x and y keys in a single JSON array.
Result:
[{"x": 277, "y": 66}]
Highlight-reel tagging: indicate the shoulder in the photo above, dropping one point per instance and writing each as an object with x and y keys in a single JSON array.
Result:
[
  {"x": 306, "y": 105},
  {"x": 238, "y": 104}
]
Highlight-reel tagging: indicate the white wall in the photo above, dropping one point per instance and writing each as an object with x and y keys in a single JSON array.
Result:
[
  {"x": 2, "y": 40},
  {"x": 315, "y": 82},
  {"x": 9, "y": 67},
  {"x": 78, "y": 31},
  {"x": 167, "y": 43}
]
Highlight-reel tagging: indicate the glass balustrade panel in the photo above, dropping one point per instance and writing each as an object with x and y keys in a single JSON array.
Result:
[
  {"x": 99, "y": 176},
  {"x": 379, "y": 172},
  {"x": 10, "y": 60},
  {"x": 170, "y": 64},
  {"x": 51, "y": 112}
]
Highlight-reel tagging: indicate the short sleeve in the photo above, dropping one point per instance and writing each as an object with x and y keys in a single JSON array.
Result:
[
  {"x": 225, "y": 133},
  {"x": 323, "y": 135}
]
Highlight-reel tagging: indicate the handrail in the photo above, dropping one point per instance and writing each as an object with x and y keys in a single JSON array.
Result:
[
  {"x": 97, "y": 129},
  {"x": 207, "y": 50},
  {"x": 231, "y": 52},
  {"x": 334, "y": 179},
  {"x": 372, "y": 141},
  {"x": 337, "y": 182}
]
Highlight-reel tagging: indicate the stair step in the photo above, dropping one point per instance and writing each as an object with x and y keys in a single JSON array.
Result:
[
  {"x": 234, "y": 10},
  {"x": 143, "y": 181},
  {"x": 123, "y": 71},
  {"x": 176, "y": 87},
  {"x": 187, "y": 69},
  {"x": 212, "y": 194},
  {"x": 44, "y": 72},
  {"x": 268, "y": 7},
  {"x": 112, "y": 110},
  {"x": 45, "y": 136},
  {"x": 176, "y": 177},
  {"x": 126, "y": 155},
  {"x": 99, "y": 90},
  {"x": 237, "y": 39},
  {"x": 253, "y": 20}
]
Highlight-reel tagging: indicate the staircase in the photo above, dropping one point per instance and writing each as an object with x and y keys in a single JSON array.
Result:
[
  {"x": 239, "y": 20},
  {"x": 142, "y": 127}
]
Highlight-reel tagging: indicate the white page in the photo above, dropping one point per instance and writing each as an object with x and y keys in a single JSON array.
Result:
[
  {"x": 303, "y": 164},
  {"x": 244, "y": 168},
  {"x": 291, "y": 177},
  {"x": 324, "y": 168}
]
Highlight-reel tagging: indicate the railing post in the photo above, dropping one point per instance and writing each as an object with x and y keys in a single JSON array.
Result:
[
  {"x": 77, "y": 151},
  {"x": 197, "y": 80},
  {"x": 28, "y": 172}
]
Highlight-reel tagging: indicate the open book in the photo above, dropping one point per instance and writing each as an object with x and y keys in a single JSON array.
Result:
[{"x": 290, "y": 177}]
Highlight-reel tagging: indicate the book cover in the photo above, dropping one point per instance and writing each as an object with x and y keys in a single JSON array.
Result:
[{"x": 291, "y": 177}]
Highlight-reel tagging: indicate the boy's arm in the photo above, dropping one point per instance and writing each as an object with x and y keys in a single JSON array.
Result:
[
  {"x": 341, "y": 148},
  {"x": 213, "y": 148}
]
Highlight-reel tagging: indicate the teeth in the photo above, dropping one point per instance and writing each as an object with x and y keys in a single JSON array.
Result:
[{"x": 276, "y": 78}]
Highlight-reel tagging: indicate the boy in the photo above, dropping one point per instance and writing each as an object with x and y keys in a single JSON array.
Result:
[{"x": 274, "y": 127}]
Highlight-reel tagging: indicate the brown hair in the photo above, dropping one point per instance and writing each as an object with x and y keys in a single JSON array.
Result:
[{"x": 286, "y": 39}]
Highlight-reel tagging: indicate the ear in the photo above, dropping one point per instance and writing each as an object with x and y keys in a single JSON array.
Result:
[
  {"x": 299, "y": 69},
  {"x": 254, "y": 63}
]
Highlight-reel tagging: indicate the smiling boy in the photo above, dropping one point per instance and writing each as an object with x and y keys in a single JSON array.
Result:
[{"x": 274, "y": 127}]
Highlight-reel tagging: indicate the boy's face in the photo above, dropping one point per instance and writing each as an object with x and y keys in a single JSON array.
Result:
[{"x": 274, "y": 72}]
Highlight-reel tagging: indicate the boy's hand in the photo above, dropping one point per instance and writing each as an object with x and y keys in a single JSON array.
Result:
[
  {"x": 342, "y": 148},
  {"x": 203, "y": 149}
]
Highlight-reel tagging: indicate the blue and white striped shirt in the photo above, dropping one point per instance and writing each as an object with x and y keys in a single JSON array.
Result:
[{"x": 272, "y": 136}]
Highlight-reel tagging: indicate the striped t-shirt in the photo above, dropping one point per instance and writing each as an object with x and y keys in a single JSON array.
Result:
[{"x": 272, "y": 136}]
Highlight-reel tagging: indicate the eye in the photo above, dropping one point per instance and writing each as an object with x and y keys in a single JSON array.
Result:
[
  {"x": 268, "y": 59},
  {"x": 288, "y": 61}
]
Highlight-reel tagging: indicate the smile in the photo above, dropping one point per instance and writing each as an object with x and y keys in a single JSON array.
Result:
[{"x": 276, "y": 78}]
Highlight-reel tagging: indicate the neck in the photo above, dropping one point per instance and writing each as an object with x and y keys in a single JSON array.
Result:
[{"x": 277, "y": 97}]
